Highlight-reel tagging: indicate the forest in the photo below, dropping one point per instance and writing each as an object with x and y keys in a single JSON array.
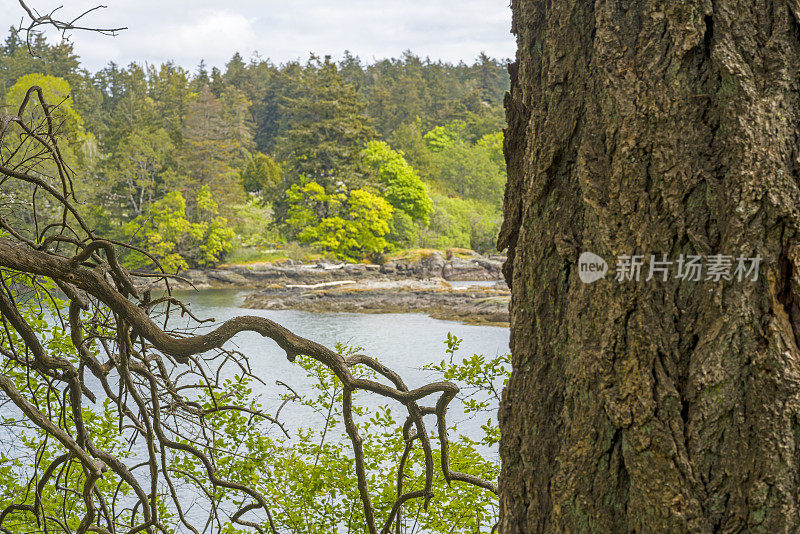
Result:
[{"x": 259, "y": 161}]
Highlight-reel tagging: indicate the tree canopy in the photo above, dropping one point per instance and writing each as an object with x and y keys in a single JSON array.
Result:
[{"x": 418, "y": 135}]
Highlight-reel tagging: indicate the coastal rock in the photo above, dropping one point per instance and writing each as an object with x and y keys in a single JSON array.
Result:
[
  {"x": 227, "y": 277},
  {"x": 415, "y": 265},
  {"x": 472, "y": 269},
  {"x": 475, "y": 305},
  {"x": 429, "y": 264},
  {"x": 432, "y": 264}
]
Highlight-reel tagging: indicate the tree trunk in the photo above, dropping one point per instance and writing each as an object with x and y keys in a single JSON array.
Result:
[{"x": 649, "y": 127}]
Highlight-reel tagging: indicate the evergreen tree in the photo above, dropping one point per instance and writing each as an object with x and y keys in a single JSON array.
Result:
[
  {"x": 327, "y": 129},
  {"x": 209, "y": 150}
]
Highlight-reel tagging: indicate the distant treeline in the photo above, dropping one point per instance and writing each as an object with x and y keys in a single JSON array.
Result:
[{"x": 350, "y": 159}]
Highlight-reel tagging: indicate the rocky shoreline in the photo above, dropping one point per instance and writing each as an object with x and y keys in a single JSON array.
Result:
[
  {"x": 418, "y": 266},
  {"x": 437, "y": 298},
  {"x": 417, "y": 282}
]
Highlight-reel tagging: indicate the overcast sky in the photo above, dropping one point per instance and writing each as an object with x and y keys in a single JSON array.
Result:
[{"x": 189, "y": 30}]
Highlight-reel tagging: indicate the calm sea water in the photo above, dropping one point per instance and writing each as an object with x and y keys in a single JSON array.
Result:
[{"x": 404, "y": 342}]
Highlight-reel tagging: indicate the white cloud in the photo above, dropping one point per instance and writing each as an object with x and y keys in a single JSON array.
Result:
[
  {"x": 209, "y": 34},
  {"x": 189, "y": 30}
]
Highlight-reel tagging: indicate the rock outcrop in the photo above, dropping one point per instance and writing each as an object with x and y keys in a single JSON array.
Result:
[
  {"x": 427, "y": 265},
  {"x": 437, "y": 298}
]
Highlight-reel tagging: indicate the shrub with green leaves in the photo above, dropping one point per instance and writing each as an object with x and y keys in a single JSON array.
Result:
[
  {"x": 464, "y": 223},
  {"x": 309, "y": 478},
  {"x": 350, "y": 225},
  {"x": 306, "y": 474},
  {"x": 401, "y": 185},
  {"x": 440, "y": 138},
  {"x": 178, "y": 243},
  {"x": 481, "y": 380},
  {"x": 31, "y": 447}
]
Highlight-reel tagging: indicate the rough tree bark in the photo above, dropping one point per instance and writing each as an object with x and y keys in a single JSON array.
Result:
[{"x": 666, "y": 128}]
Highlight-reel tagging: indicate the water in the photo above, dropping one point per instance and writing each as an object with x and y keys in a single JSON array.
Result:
[{"x": 404, "y": 342}]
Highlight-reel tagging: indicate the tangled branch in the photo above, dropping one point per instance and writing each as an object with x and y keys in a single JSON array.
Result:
[{"x": 121, "y": 339}]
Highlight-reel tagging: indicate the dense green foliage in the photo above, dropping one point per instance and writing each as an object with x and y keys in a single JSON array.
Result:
[
  {"x": 177, "y": 242},
  {"x": 400, "y": 184},
  {"x": 351, "y": 225},
  {"x": 423, "y": 137}
]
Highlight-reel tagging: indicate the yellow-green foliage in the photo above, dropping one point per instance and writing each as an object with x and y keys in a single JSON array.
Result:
[
  {"x": 440, "y": 138},
  {"x": 78, "y": 147},
  {"x": 493, "y": 142},
  {"x": 462, "y": 223},
  {"x": 177, "y": 242},
  {"x": 401, "y": 184},
  {"x": 350, "y": 225},
  {"x": 216, "y": 236},
  {"x": 56, "y": 92}
]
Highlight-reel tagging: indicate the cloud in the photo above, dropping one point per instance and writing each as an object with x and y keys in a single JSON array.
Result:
[
  {"x": 209, "y": 34},
  {"x": 187, "y": 31}
]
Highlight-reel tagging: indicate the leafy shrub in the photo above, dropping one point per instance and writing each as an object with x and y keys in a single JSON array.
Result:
[
  {"x": 401, "y": 184},
  {"x": 177, "y": 243},
  {"x": 351, "y": 225},
  {"x": 461, "y": 223}
]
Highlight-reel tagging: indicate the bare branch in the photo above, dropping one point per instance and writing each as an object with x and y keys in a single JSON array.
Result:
[{"x": 38, "y": 21}]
